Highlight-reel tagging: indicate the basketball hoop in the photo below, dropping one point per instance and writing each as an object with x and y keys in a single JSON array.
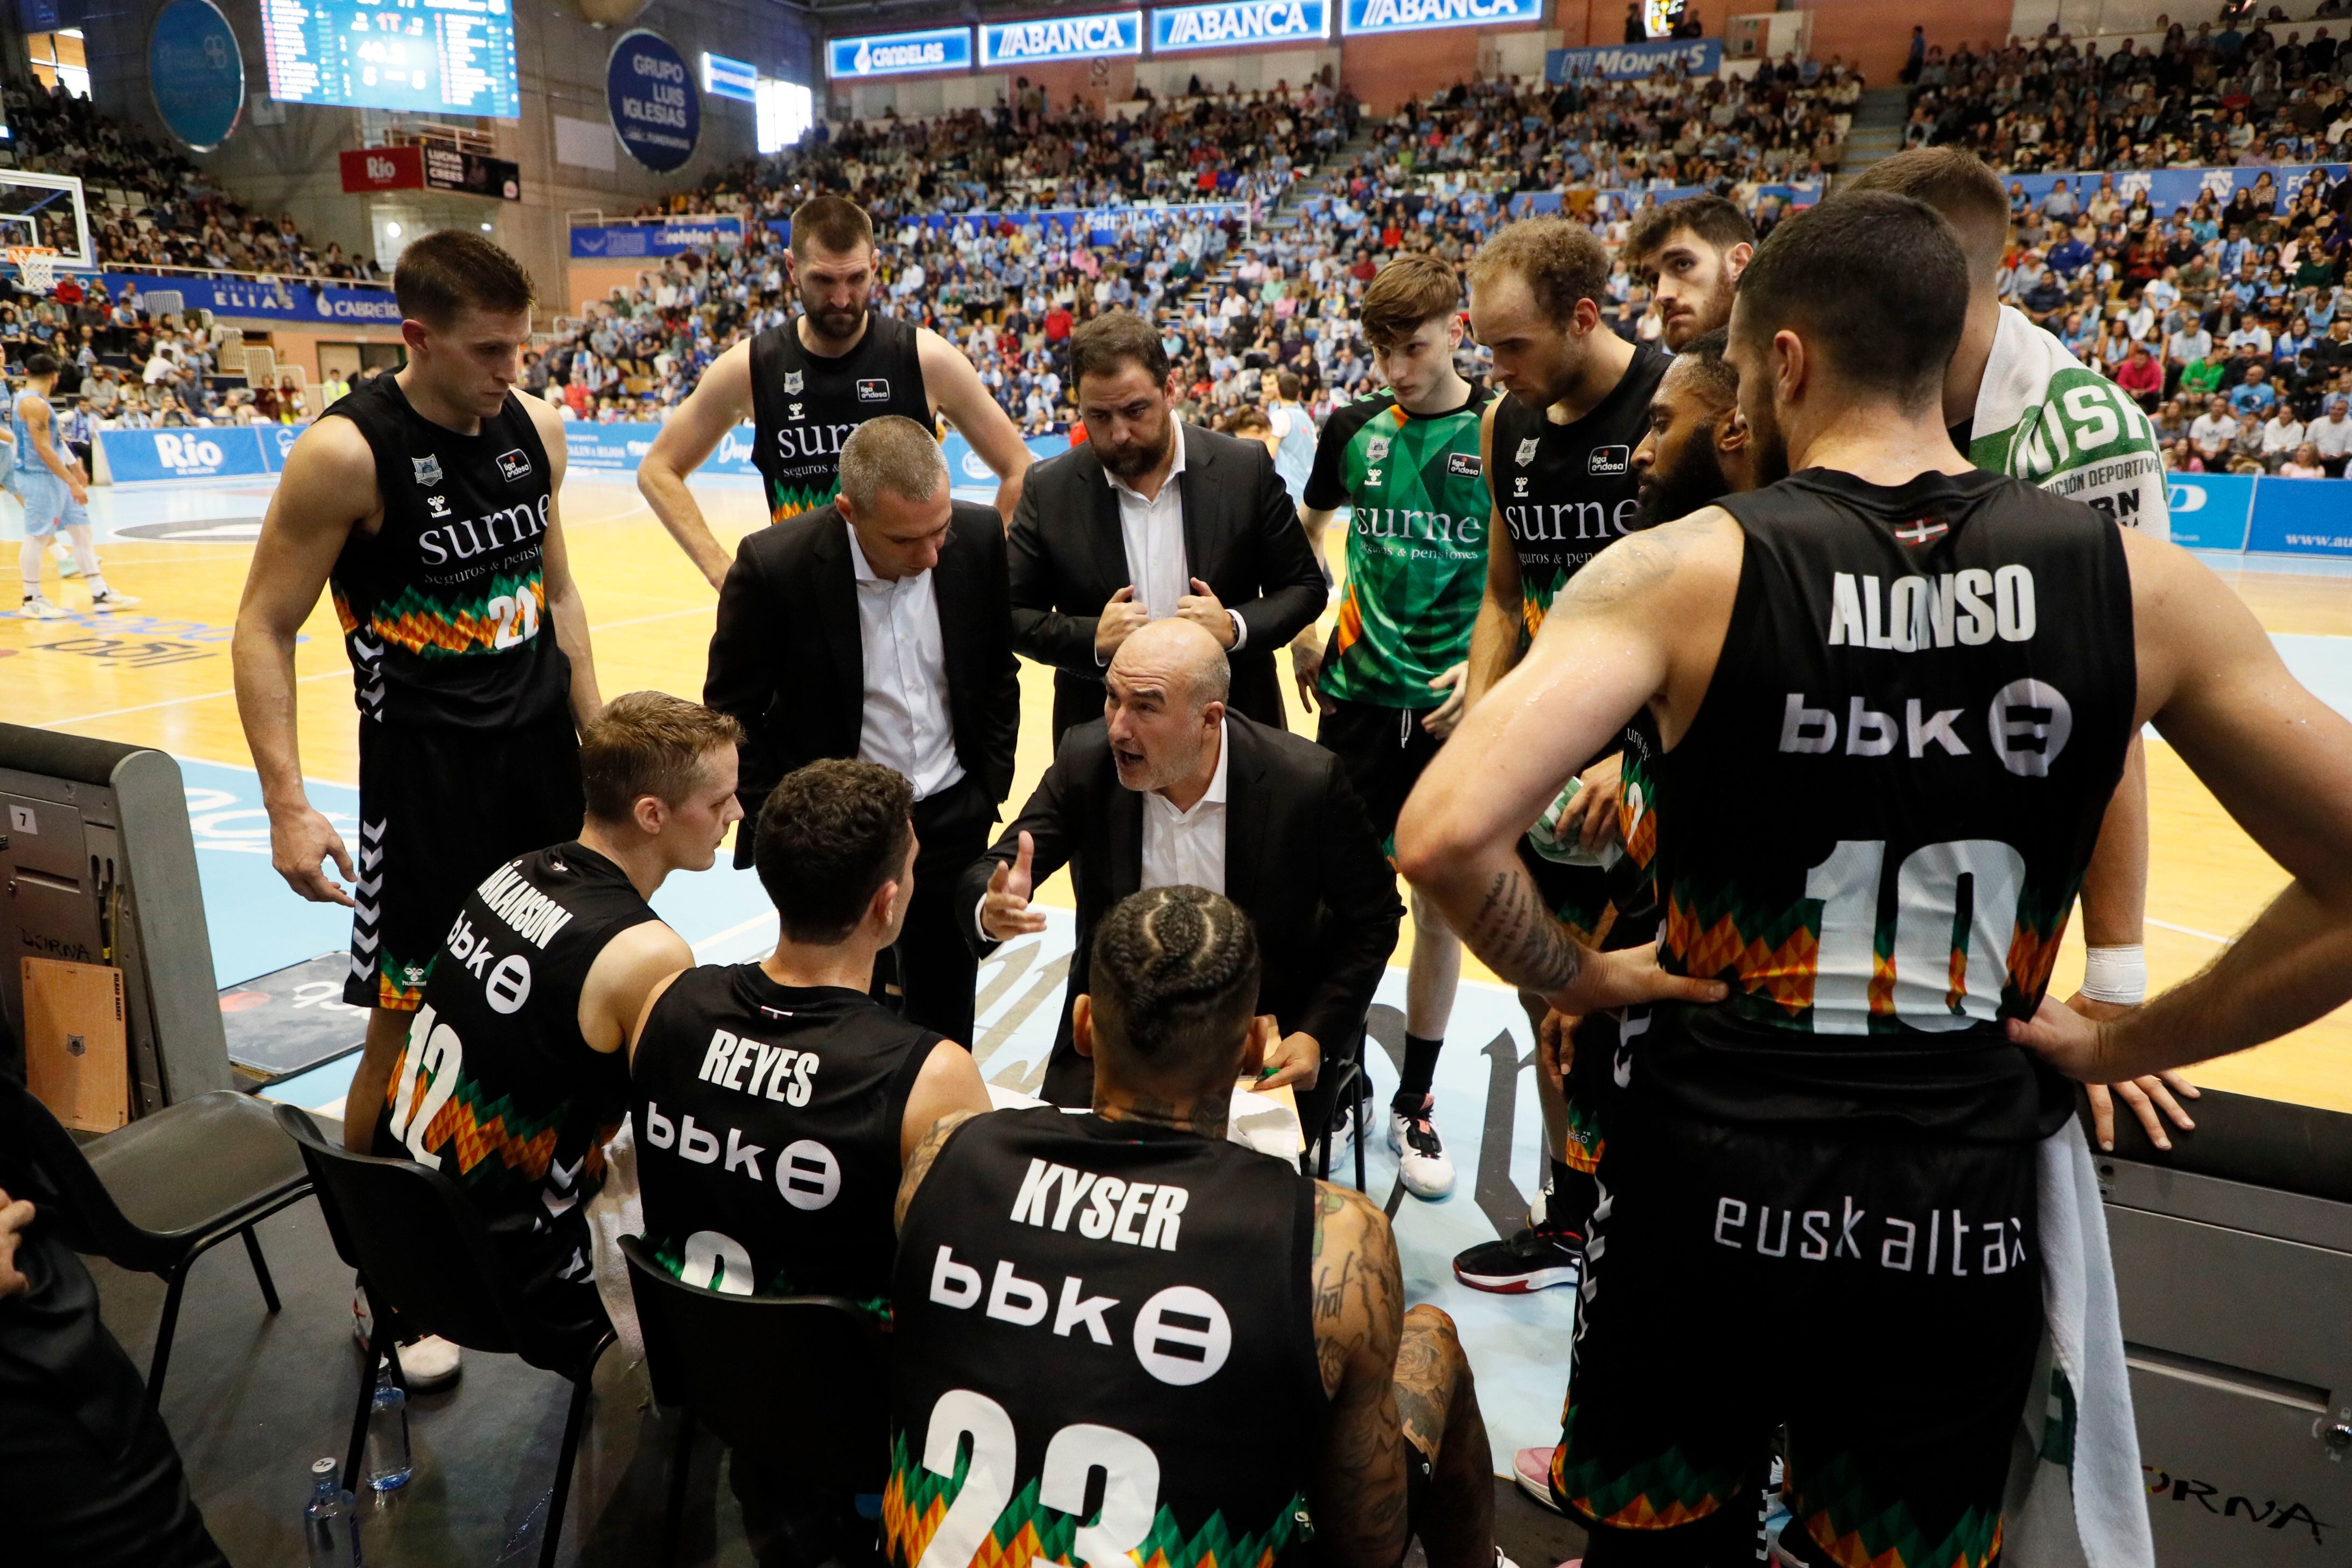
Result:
[{"x": 36, "y": 265}]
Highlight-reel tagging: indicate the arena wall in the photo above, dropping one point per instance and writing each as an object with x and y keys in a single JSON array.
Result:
[{"x": 293, "y": 167}]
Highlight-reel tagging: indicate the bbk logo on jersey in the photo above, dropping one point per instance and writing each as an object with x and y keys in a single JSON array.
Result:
[
  {"x": 1376, "y": 449},
  {"x": 1608, "y": 460},
  {"x": 427, "y": 468},
  {"x": 514, "y": 465},
  {"x": 793, "y": 381},
  {"x": 1526, "y": 453},
  {"x": 1464, "y": 465},
  {"x": 874, "y": 389}
]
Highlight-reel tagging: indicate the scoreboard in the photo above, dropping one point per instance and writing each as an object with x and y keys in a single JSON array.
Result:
[{"x": 430, "y": 56}]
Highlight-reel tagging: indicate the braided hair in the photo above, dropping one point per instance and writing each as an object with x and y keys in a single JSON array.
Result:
[{"x": 1175, "y": 975}]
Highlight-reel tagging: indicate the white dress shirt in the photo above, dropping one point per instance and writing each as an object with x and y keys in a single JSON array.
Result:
[
  {"x": 906, "y": 726},
  {"x": 1181, "y": 848},
  {"x": 1153, "y": 532},
  {"x": 1188, "y": 847}
]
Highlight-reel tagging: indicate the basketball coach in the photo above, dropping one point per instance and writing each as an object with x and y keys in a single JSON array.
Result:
[
  {"x": 874, "y": 627},
  {"x": 1153, "y": 518},
  {"x": 1169, "y": 788}
]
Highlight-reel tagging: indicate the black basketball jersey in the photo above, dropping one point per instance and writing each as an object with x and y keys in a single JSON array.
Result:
[
  {"x": 1567, "y": 492},
  {"x": 1875, "y": 826},
  {"x": 445, "y": 608},
  {"x": 496, "y": 1087},
  {"x": 805, "y": 405},
  {"x": 768, "y": 1121},
  {"x": 1076, "y": 1295}
]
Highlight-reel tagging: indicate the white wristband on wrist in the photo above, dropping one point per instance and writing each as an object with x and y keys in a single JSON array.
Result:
[{"x": 2116, "y": 974}]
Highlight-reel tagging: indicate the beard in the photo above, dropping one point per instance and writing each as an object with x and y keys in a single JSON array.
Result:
[
  {"x": 1694, "y": 481},
  {"x": 1679, "y": 330},
  {"x": 1134, "y": 462},
  {"x": 1771, "y": 448},
  {"x": 830, "y": 322}
]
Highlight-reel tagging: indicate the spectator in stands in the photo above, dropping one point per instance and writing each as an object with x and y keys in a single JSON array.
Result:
[
  {"x": 2331, "y": 435},
  {"x": 2200, "y": 379},
  {"x": 2214, "y": 431},
  {"x": 2282, "y": 433},
  {"x": 2303, "y": 464},
  {"x": 2140, "y": 376},
  {"x": 2254, "y": 398}
]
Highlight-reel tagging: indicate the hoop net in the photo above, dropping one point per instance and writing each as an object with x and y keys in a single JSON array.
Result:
[{"x": 36, "y": 265}]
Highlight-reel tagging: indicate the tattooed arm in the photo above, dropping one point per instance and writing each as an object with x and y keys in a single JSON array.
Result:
[
  {"x": 918, "y": 1163},
  {"x": 1357, "y": 1493},
  {"x": 1640, "y": 625}
]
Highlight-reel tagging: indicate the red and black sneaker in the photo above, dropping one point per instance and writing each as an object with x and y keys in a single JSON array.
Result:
[{"x": 1539, "y": 1257}]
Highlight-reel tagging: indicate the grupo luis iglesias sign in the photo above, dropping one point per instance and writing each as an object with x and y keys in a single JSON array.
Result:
[{"x": 657, "y": 110}]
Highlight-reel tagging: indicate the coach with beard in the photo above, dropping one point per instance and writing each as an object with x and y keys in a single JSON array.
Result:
[{"x": 1153, "y": 518}]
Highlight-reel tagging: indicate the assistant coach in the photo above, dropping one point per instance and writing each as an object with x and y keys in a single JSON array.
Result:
[
  {"x": 874, "y": 627},
  {"x": 1153, "y": 518}
]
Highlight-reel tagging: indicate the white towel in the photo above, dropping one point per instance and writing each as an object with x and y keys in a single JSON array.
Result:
[
  {"x": 615, "y": 1212},
  {"x": 2076, "y": 1499}
]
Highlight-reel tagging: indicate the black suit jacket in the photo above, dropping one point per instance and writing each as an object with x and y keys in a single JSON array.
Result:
[
  {"x": 1300, "y": 860},
  {"x": 787, "y": 660},
  {"x": 1242, "y": 537}
]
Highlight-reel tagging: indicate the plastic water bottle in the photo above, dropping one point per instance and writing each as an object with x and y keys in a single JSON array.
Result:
[
  {"x": 389, "y": 1465},
  {"x": 331, "y": 1524}
]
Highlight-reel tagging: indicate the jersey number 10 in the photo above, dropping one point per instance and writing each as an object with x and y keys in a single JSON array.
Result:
[{"x": 1951, "y": 899}]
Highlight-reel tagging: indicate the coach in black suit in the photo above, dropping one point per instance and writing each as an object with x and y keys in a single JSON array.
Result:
[
  {"x": 1152, "y": 519},
  {"x": 874, "y": 627},
  {"x": 1172, "y": 789}
]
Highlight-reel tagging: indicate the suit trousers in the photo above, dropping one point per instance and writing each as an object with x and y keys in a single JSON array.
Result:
[{"x": 934, "y": 960}]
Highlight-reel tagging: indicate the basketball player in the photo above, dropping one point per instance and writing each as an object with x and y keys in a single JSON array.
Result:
[
  {"x": 1558, "y": 455},
  {"x": 1126, "y": 1290},
  {"x": 512, "y": 1079},
  {"x": 790, "y": 1055},
  {"x": 1405, "y": 461},
  {"x": 428, "y": 499},
  {"x": 55, "y": 490},
  {"x": 1691, "y": 253},
  {"x": 1846, "y": 1145},
  {"x": 2018, "y": 402},
  {"x": 807, "y": 383},
  {"x": 774, "y": 1103}
]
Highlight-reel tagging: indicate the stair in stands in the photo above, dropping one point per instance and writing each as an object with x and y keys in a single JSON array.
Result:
[{"x": 1876, "y": 132}]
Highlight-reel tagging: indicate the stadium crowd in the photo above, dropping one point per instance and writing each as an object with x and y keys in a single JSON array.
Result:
[
  {"x": 2208, "y": 96},
  {"x": 1235, "y": 291},
  {"x": 169, "y": 216}
]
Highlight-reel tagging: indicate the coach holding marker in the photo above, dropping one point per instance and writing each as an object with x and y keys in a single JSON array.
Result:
[
  {"x": 1152, "y": 519},
  {"x": 874, "y": 626}
]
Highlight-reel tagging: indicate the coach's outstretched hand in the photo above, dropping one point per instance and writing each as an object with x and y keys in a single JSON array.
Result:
[
  {"x": 1005, "y": 913},
  {"x": 1627, "y": 976},
  {"x": 299, "y": 839}
]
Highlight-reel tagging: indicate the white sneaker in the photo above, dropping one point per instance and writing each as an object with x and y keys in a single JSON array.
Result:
[
  {"x": 1422, "y": 1161},
  {"x": 64, "y": 557},
  {"x": 425, "y": 1364},
  {"x": 1531, "y": 1470},
  {"x": 40, "y": 608},
  {"x": 1343, "y": 1137},
  {"x": 112, "y": 599}
]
